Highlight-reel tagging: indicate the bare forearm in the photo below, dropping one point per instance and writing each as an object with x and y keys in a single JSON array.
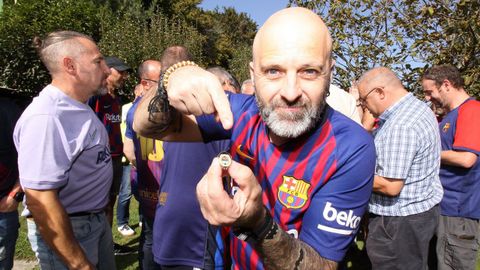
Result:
[
  {"x": 387, "y": 186},
  {"x": 54, "y": 225},
  {"x": 458, "y": 158},
  {"x": 285, "y": 252},
  {"x": 129, "y": 151}
]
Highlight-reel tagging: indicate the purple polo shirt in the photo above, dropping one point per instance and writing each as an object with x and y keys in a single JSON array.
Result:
[{"x": 62, "y": 145}]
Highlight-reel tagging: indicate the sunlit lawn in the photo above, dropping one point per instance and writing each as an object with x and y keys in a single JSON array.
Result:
[
  {"x": 23, "y": 250},
  {"x": 130, "y": 262}
]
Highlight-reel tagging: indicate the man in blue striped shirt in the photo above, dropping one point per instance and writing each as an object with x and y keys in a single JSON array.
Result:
[{"x": 404, "y": 206}]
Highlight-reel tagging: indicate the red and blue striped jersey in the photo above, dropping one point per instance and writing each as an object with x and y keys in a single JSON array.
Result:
[
  {"x": 109, "y": 111},
  {"x": 316, "y": 186}
]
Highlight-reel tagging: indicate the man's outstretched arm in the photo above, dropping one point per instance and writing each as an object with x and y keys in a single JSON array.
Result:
[{"x": 169, "y": 115}]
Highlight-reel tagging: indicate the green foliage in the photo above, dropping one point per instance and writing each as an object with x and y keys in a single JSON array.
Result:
[
  {"x": 406, "y": 36},
  {"x": 133, "y": 30},
  {"x": 20, "y": 67},
  {"x": 134, "y": 35}
]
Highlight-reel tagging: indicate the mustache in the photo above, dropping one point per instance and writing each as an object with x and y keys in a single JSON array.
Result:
[{"x": 281, "y": 103}]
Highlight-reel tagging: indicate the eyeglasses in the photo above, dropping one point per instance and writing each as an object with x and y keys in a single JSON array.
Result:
[
  {"x": 149, "y": 80},
  {"x": 362, "y": 101}
]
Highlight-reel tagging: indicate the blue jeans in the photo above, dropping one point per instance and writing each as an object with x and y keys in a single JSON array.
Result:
[
  {"x": 93, "y": 234},
  {"x": 124, "y": 197},
  {"x": 8, "y": 237}
]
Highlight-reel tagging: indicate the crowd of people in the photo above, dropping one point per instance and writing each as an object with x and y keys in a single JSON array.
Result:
[{"x": 304, "y": 163}]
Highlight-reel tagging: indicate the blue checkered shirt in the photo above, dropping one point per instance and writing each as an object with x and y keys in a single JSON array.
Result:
[{"x": 408, "y": 147}]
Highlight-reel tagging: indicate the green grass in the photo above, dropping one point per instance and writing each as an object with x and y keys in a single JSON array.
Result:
[
  {"x": 23, "y": 251},
  {"x": 130, "y": 262}
]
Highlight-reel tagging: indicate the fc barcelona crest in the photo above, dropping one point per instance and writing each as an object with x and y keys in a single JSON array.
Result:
[
  {"x": 446, "y": 127},
  {"x": 292, "y": 193}
]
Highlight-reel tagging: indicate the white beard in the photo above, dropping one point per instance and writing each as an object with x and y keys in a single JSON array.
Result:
[
  {"x": 290, "y": 124},
  {"x": 101, "y": 91}
]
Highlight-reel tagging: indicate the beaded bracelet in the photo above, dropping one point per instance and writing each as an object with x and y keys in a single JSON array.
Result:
[{"x": 174, "y": 67}]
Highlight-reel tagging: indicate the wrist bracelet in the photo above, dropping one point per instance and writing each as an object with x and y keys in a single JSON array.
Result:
[
  {"x": 172, "y": 68},
  {"x": 267, "y": 230},
  {"x": 159, "y": 104}
]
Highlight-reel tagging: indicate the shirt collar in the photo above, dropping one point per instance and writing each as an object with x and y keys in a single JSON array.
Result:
[{"x": 392, "y": 109}]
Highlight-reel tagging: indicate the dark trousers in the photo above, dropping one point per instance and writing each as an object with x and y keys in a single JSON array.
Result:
[
  {"x": 401, "y": 242},
  {"x": 145, "y": 253},
  {"x": 457, "y": 243}
]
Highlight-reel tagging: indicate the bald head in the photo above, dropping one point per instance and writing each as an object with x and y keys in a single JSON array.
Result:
[
  {"x": 293, "y": 27},
  {"x": 379, "y": 88},
  {"x": 149, "y": 72},
  {"x": 150, "y": 69},
  {"x": 381, "y": 76}
]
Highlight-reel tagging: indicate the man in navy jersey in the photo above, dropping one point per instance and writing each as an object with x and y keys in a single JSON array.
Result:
[
  {"x": 302, "y": 171},
  {"x": 458, "y": 230}
]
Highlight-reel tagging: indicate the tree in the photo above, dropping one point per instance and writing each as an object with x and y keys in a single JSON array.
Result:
[
  {"x": 406, "y": 36},
  {"x": 20, "y": 67},
  {"x": 134, "y": 35},
  {"x": 133, "y": 30}
]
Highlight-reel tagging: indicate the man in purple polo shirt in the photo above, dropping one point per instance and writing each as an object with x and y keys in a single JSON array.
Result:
[{"x": 64, "y": 160}]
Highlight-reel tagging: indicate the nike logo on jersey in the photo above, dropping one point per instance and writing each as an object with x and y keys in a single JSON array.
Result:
[
  {"x": 242, "y": 154},
  {"x": 446, "y": 127},
  {"x": 107, "y": 106},
  {"x": 343, "y": 218}
]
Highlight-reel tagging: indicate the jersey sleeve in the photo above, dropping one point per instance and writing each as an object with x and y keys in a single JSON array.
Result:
[
  {"x": 467, "y": 132},
  {"x": 213, "y": 130},
  {"x": 129, "y": 132},
  {"x": 333, "y": 218},
  {"x": 396, "y": 151},
  {"x": 43, "y": 153}
]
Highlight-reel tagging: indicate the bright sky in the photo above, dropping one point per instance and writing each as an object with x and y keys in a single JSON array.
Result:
[{"x": 258, "y": 10}]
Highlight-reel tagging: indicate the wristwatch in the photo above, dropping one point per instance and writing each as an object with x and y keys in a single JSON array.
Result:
[{"x": 17, "y": 196}]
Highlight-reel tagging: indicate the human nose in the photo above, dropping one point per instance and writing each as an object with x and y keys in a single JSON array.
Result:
[
  {"x": 291, "y": 90},
  {"x": 105, "y": 68}
]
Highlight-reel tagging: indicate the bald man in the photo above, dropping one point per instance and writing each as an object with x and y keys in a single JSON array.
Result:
[
  {"x": 404, "y": 206},
  {"x": 302, "y": 171}
]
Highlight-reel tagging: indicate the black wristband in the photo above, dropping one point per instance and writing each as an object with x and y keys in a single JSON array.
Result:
[
  {"x": 267, "y": 230},
  {"x": 159, "y": 104}
]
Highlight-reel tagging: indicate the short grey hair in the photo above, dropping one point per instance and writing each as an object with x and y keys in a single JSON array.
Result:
[
  {"x": 57, "y": 44},
  {"x": 221, "y": 73}
]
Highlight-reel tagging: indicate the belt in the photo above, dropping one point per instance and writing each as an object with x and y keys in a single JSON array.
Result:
[
  {"x": 81, "y": 214},
  {"x": 77, "y": 214}
]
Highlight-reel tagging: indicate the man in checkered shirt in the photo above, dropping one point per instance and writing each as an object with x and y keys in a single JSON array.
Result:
[{"x": 404, "y": 206}]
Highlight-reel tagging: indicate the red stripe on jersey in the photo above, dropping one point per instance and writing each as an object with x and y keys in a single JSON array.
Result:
[
  {"x": 289, "y": 164},
  {"x": 328, "y": 142},
  {"x": 467, "y": 132},
  {"x": 326, "y": 153}
]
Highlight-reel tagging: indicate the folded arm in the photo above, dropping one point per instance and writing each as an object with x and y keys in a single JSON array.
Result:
[{"x": 459, "y": 158}]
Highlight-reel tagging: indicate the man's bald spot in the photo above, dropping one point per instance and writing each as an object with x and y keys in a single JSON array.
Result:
[
  {"x": 293, "y": 24},
  {"x": 380, "y": 76},
  {"x": 149, "y": 66}
]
